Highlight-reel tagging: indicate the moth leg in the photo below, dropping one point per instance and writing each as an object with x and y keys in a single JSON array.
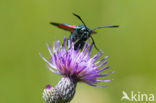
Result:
[{"x": 94, "y": 43}]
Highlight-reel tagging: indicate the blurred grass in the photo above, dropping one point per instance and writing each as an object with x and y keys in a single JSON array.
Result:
[{"x": 25, "y": 30}]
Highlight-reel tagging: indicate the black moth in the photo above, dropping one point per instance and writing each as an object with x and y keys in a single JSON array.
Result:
[{"x": 79, "y": 34}]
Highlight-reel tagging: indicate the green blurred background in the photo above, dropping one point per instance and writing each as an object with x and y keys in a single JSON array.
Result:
[{"x": 25, "y": 30}]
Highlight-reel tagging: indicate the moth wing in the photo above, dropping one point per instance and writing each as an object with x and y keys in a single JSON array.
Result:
[{"x": 64, "y": 26}]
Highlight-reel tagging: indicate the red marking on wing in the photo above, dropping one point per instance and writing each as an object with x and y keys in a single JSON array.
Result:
[{"x": 64, "y": 26}]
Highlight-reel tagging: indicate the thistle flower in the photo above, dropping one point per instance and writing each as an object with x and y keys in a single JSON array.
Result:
[{"x": 74, "y": 66}]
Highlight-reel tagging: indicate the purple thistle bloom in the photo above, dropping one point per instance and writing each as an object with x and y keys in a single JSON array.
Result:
[{"x": 74, "y": 66}]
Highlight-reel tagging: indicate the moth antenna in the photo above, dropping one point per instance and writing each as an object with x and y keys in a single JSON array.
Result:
[
  {"x": 80, "y": 19},
  {"x": 113, "y": 26}
]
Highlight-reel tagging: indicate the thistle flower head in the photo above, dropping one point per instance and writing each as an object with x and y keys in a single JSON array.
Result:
[{"x": 74, "y": 66}]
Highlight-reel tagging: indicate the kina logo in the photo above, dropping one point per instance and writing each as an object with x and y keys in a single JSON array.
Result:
[{"x": 137, "y": 96}]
